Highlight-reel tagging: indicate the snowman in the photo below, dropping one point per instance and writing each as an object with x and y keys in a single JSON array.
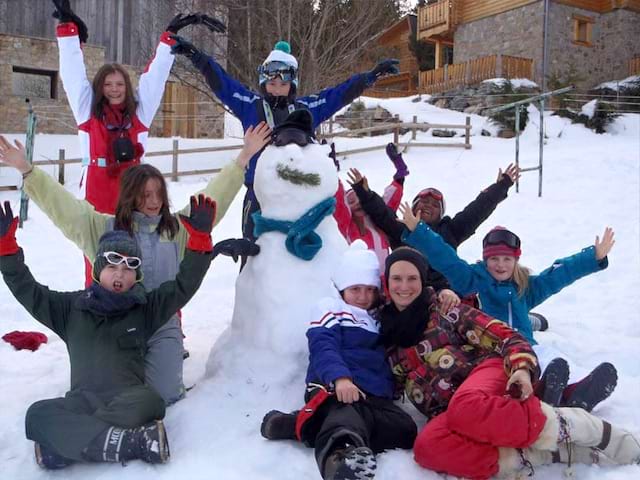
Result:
[{"x": 295, "y": 183}]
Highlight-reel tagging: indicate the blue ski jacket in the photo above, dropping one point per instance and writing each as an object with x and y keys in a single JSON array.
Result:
[
  {"x": 250, "y": 106},
  {"x": 501, "y": 299}
]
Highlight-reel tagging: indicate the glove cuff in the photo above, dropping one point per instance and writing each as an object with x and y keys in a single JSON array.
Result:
[
  {"x": 67, "y": 29},
  {"x": 8, "y": 246},
  {"x": 200, "y": 242},
  {"x": 166, "y": 38}
]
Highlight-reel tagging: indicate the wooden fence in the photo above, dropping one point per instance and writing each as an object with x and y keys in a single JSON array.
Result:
[
  {"x": 474, "y": 71},
  {"x": 634, "y": 66},
  {"x": 175, "y": 152}
]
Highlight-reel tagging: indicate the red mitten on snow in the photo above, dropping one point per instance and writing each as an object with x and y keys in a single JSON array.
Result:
[{"x": 25, "y": 340}]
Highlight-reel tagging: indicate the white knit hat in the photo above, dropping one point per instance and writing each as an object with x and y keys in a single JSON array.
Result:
[
  {"x": 357, "y": 266},
  {"x": 282, "y": 53}
]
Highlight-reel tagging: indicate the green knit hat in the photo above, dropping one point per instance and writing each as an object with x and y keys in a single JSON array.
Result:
[{"x": 116, "y": 241}]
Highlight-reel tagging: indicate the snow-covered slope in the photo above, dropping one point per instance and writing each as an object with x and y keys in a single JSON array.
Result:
[{"x": 590, "y": 181}]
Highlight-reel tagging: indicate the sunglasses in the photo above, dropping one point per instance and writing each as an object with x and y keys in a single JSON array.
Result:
[
  {"x": 496, "y": 237},
  {"x": 115, "y": 258},
  {"x": 274, "y": 70}
]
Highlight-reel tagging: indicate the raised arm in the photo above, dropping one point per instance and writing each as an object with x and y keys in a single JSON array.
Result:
[
  {"x": 466, "y": 222},
  {"x": 342, "y": 213},
  {"x": 76, "y": 219},
  {"x": 565, "y": 271},
  {"x": 47, "y": 307},
  {"x": 73, "y": 72}
]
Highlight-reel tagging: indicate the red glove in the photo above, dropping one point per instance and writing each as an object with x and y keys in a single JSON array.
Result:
[
  {"x": 8, "y": 226},
  {"x": 199, "y": 223},
  {"x": 25, "y": 340}
]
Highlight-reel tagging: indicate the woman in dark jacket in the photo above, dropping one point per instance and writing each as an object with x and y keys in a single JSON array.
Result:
[{"x": 471, "y": 375}]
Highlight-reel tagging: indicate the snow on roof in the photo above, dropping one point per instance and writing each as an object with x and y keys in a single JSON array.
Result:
[{"x": 616, "y": 84}]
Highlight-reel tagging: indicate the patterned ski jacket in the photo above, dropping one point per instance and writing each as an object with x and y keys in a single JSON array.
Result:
[
  {"x": 101, "y": 189},
  {"x": 375, "y": 238},
  {"x": 448, "y": 349},
  {"x": 501, "y": 299},
  {"x": 454, "y": 230},
  {"x": 344, "y": 341},
  {"x": 251, "y": 108}
]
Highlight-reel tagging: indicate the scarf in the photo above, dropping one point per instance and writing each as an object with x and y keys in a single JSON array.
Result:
[
  {"x": 302, "y": 241},
  {"x": 405, "y": 328},
  {"x": 100, "y": 301},
  {"x": 117, "y": 124}
]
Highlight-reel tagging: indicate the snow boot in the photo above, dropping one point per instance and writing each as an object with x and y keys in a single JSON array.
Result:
[
  {"x": 48, "y": 459},
  {"x": 148, "y": 443},
  {"x": 350, "y": 463},
  {"x": 553, "y": 382},
  {"x": 538, "y": 322},
  {"x": 592, "y": 389},
  {"x": 579, "y": 427},
  {"x": 520, "y": 463},
  {"x": 279, "y": 425}
]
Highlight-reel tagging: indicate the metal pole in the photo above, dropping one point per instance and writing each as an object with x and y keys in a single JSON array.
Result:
[
  {"x": 541, "y": 147},
  {"x": 174, "y": 162},
  {"x": 31, "y": 131},
  {"x": 517, "y": 108}
]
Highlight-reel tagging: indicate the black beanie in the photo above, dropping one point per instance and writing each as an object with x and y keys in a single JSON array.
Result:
[
  {"x": 116, "y": 241},
  {"x": 296, "y": 128},
  {"x": 410, "y": 255}
]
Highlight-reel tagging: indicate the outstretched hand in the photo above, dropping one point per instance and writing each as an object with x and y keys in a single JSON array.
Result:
[
  {"x": 255, "y": 139},
  {"x": 447, "y": 299},
  {"x": 388, "y": 66},
  {"x": 14, "y": 155},
  {"x": 64, "y": 14},
  {"x": 201, "y": 216},
  {"x": 408, "y": 217},
  {"x": 604, "y": 247},
  {"x": 178, "y": 22},
  {"x": 512, "y": 171},
  {"x": 354, "y": 177},
  {"x": 236, "y": 247},
  {"x": 211, "y": 23}
]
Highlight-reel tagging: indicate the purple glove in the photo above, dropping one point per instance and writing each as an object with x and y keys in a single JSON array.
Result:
[{"x": 396, "y": 158}]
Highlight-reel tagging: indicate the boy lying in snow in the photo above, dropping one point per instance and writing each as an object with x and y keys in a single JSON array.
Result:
[{"x": 109, "y": 414}]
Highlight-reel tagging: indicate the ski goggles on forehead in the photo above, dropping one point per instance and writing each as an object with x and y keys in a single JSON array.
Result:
[
  {"x": 115, "y": 258},
  {"x": 428, "y": 192},
  {"x": 273, "y": 70},
  {"x": 495, "y": 237}
]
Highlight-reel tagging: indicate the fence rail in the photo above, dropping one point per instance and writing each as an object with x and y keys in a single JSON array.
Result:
[{"x": 474, "y": 71}]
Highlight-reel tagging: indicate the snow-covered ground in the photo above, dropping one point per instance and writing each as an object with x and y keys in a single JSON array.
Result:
[{"x": 590, "y": 181}]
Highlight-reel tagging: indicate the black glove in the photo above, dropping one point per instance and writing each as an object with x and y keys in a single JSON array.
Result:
[
  {"x": 202, "y": 215},
  {"x": 333, "y": 156},
  {"x": 8, "y": 226},
  {"x": 211, "y": 23},
  {"x": 388, "y": 66},
  {"x": 179, "y": 22},
  {"x": 183, "y": 47},
  {"x": 236, "y": 247},
  {"x": 64, "y": 14}
]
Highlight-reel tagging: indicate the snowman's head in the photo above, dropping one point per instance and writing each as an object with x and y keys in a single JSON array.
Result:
[{"x": 294, "y": 173}]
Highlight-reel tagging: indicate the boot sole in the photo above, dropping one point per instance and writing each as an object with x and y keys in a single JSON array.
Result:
[
  {"x": 599, "y": 385},
  {"x": 360, "y": 464},
  {"x": 555, "y": 377},
  {"x": 163, "y": 443}
]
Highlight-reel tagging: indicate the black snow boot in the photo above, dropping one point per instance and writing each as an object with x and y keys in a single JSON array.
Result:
[
  {"x": 350, "y": 463},
  {"x": 538, "y": 322},
  {"x": 279, "y": 425},
  {"x": 148, "y": 443},
  {"x": 50, "y": 460},
  {"x": 553, "y": 382},
  {"x": 592, "y": 389}
]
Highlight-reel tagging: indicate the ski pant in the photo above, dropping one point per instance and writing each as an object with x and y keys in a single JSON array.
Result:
[
  {"x": 250, "y": 205},
  {"x": 164, "y": 360},
  {"x": 463, "y": 441},
  {"x": 67, "y": 425},
  {"x": 374, "y": 422}
]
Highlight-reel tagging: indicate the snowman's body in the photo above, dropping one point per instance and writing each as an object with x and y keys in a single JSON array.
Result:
[{"x": 276, "y": 290}]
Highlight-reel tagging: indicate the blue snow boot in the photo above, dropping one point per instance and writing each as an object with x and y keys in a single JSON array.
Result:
[
  {"x": 553, "y": 382},
  {"x": 48, "y": 459}
]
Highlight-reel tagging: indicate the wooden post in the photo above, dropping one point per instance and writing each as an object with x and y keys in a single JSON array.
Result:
[
  {"x": 396, "y": 130},
  {"x": 467, "y": 133},
  {"x": 61, "y": 166},
  {"x": 413, "y": 129},
  {"x": 330, "y": 125},
  {"x": 174, "y": 164}
]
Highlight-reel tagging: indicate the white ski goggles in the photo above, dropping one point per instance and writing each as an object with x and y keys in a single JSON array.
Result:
[{"x": 115, "y": 258}]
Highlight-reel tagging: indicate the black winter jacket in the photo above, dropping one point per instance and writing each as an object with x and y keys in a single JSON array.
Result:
[{"x": 453, "y": 230}]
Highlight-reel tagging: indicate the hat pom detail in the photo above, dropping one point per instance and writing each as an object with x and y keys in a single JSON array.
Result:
[{"x": 283, "y": 47}]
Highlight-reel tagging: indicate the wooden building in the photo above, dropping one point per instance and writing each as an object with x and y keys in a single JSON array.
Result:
[{"x": 589, "y": 40}]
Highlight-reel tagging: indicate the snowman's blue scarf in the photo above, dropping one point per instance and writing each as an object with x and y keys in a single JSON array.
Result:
[{"x": 302, "y": 241}]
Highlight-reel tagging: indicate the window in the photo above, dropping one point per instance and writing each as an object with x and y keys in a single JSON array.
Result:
[
  {"x": 583, "y": 30},
  {"x": 31, "y": 82}
]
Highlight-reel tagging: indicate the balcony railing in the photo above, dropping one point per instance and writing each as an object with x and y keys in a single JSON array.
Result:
[
  {"x": 436, "y": 19},
  {"x": 475, "y": 71}
]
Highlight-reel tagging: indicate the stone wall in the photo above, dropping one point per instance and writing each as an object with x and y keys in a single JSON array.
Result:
[
  {"x": 517, "y": 32},
  {"x": 54, "y": 114},
  {"x": 614, "y": 42}
]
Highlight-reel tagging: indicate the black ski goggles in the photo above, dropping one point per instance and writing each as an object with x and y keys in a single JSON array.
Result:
[{"x": 496, "y": 237}]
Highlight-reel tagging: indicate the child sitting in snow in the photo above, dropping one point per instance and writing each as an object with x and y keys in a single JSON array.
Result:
[
  {"x": 507, "y": 291},
  {"x": 353, "y": 221},
  {"x": 350, "y": 415},
  {"x": 110, "y": 414}
]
